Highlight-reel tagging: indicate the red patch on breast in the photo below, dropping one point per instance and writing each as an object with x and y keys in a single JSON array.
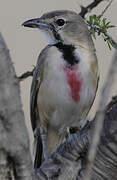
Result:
[{"x": 74, "y": 81}]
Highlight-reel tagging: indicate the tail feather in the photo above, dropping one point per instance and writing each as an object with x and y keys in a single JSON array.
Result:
[{"x": 37, "y": 151}]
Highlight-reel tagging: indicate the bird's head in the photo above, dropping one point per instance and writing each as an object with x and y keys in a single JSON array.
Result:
[{"x": 63, "y": 26}]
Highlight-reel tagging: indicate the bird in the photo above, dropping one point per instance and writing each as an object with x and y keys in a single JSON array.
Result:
[{"x": 65, "y": 80}]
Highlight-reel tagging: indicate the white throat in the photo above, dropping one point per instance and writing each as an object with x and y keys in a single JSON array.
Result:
[{"x": 49, "y": 37}]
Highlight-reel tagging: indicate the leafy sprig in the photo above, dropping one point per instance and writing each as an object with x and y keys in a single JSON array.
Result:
[{"x": 99, "y": 27}]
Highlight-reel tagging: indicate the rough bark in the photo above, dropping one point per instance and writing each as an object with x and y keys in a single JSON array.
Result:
[
  {"x": 15, "y": 158},
  {"x": 69, "y": 160}
]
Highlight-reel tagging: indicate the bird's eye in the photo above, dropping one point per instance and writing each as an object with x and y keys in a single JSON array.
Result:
[{"x": 60, "y": 22}]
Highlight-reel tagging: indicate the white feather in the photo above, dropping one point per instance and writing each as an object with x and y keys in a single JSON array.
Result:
[{"x": 67, "y": 112}]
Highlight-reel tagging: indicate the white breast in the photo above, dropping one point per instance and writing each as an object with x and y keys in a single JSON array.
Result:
[{"x": 55, "y": 95}]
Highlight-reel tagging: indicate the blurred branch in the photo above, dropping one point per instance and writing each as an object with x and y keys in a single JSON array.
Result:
[
  {"x": 15, "y": 157},
  {"x": 69, "y": 160},
  {"x": 98, "y": 126},
  {"x": 85, "y": 10},
  {"x": 105, "y": 9}
]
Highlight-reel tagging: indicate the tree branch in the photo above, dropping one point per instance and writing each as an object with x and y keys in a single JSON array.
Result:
[
  {"x": 85, "y": 10},
  {"x": 25, "y": 75},
  {"x": 15, "y": 158},
  {"x": 69, "y": 160},
  {"x": 105, "y": 9},
  {"x": 98, "y": 126},
  {"x": 94, "y": 27}
]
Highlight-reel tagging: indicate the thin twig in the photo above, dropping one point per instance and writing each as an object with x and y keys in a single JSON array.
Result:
[
  {"x": 108, "y": 5},
  {"x": 100, "y": 117},
  {"x": 25, "y": 75},
  {"x": 94, "y": 27},
  {"x": 85, "y": 10}
]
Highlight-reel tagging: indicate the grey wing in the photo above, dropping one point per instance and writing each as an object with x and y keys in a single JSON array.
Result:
[{"x": 34, "y": 114}]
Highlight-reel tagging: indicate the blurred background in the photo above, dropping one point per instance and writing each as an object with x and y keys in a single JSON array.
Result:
[{"x": 25, "y": 44}]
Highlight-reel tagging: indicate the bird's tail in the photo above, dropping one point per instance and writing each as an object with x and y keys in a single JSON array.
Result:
[{"x": 37, "y": 151}]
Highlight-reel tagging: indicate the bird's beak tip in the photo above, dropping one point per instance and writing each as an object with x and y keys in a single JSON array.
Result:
[
  {"x": 23, "y": 24},
  {"x": 35, "y": 23},
  {"x": 30, "y": 23}
]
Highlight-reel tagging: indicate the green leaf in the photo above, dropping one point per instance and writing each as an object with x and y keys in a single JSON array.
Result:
[
  {"x": 112, "y": 44},
  {"x": 108, "y": 23},
  {"x": 103, "y": 26},
  {"x": 104, "y": 21},
  {"x": 90, "y": 19},
  {"x": 104, "y": 37},
  {"x": 109, "y": 45},
  {"x": 111, "y": 26}
]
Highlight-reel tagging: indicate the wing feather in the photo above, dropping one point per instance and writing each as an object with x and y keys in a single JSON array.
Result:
[{"x": 34, "y": 114}]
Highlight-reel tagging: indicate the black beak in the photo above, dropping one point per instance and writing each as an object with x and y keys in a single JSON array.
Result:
[
  {"x": 33, "y": 23},
  {"x": 36, "y": 23}
]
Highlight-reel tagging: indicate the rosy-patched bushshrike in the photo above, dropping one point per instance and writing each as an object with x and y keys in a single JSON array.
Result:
[{"x": 64, "y": 82}]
